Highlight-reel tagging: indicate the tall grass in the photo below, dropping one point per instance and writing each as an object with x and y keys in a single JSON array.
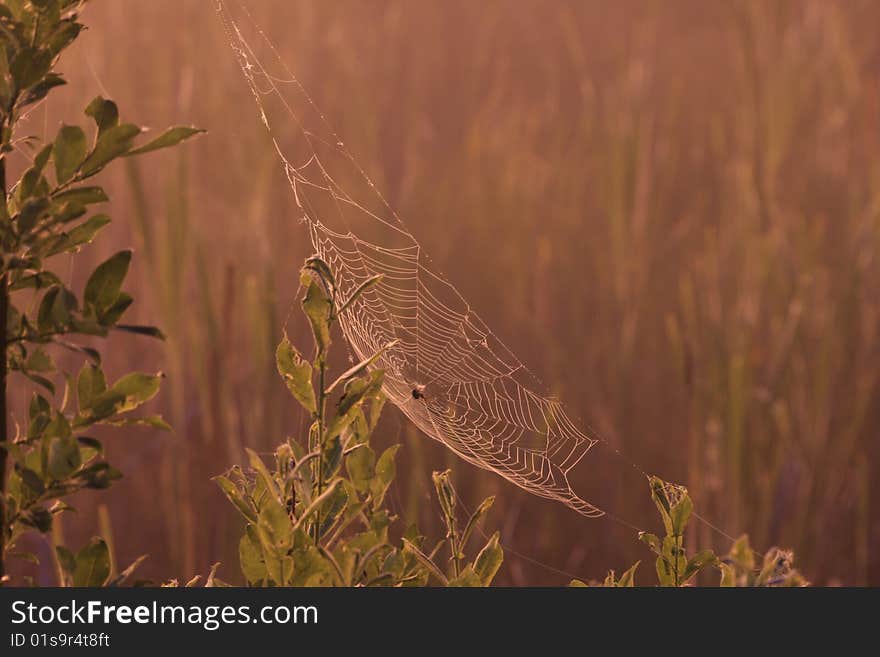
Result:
[{"x": 671, "y": 211}]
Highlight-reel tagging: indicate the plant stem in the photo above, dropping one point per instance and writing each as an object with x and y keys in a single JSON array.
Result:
[
  {"x": 321, "y": 404},
  {"x": 678, "y": 541},
  {"x": 456, "y": 567},
  {"x": 454, "y": 545},
  {"x": 4, "y": 312}
]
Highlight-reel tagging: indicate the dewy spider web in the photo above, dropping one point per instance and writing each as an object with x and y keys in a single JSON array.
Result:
[{"x": 476, "y": 397}]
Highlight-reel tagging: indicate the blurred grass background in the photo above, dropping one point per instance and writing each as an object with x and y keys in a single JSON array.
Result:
[{"x": 669, "y": 210}]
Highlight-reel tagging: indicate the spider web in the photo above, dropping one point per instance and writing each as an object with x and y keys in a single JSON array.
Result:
[{"x": 478, "y": 398}]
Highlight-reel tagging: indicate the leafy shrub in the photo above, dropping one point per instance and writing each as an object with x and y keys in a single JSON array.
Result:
[
  {"x": 318, "y": 517},
  {"x": 675, "y": 568},
  {"x": 738, "y": 567},
  {"x": 46, "y": 213}
]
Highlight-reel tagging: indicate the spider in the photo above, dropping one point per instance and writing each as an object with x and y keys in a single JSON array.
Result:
[{"x": 418, "y": 391}]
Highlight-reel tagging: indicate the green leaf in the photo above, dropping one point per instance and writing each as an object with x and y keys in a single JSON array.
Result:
[
  {"x": 39, "y": 361},
  {"x": 378, "y": 402},
  {"x": 361, "y": 467},
  {"x": 105, "y": 283},
  {"x": 92, "y": 564},
  {"x": 297, "y": 374},
  {"x": 42, "y": 158},
  {"x": 29, "y": 66},
  {"x": 55, "y": 310},
  {"x": 322, "y": 270},
  {"x": 64, "y": 35},
  {"x": 212, "y": 580},
  {"x": 41, "y": 381},
  {"x": 332, "y": 456},
  {"x": 41, "y": 89},
  {"x": 741, "y": 553},
  {"x": 125, "y": 395},
  {"x": 82, "y": 234},
  {"x": 30, "y": 479},
  {"x": 273, "y": 524},
  {"x": 81, "y": 195},
  {"x": 356, "y": 391},
  {"x": 27, "y": 186},
  {"x": 39, "y": 406},
  {"x": 59, "y": 426},
  {"x": 680, "y": 514},
  {"x": 89, "y": 448},
  {"x": 5, "y": 90},
  {"x": 154, "y": 421},
  {"x": 658, "y": 494},
  {"x": 68, "y": 212},
  {"x": 318, "y": 502},
  {"x": 92, "y": 354},
  {"x": 728, "y": 575},
  {"x": 665, "y": 574},
  {"x": 426, "y": 561},
  {"x": 38, "y": 423},
  {"x": 105, "y": 114},
  {"x": 489, "y": 560},
  {"x": 445, "y": 492},
  {"x": 476, "y": 516},
  {"x": 109, "y": 316},
  {"x": 38, "y": 281},
  {"x": 627, "y": 580},
  {"x": 697, "y": 563},
  {"x": 385, "y": 472},
  {"x": 98, "y": 475},
  {"x": 652, "y": 541},
  {"x": 63, "y": 457},
  {"x": 250, "y": 556},
  {"x": 363, "y": 287},
  {"x": 70, "y": 151},
  {"x": 380, "y": 519},
  {"x": 317, "y": 306},
  {"x": 13, "y": 320},
  {"x": 332, "y": 509},
  {"x": 311, "y": 568},
  {"x": 674, "y": 553},
  {"x": 361, "y": 367},
  {"x": 89, "y": 385},
  {"x": 32, "y": 181},
  {"x": 578, "y": 584},
  {"x": 120, "y": 579},
  {"x": 38, "y": 518},
  {"x": 262, "y": 472},
  {"x": 170, "y": 137},
  {"x": 42, "y": 5},
  {"x": 775, "y": 563},
  {"x": 467, "y": 578},
  {"x": 31, "y": 212},
  {"x": 137, "y": 387},
  {"x": 237, "y": 498},
  {"x": 112, "y": 143},
  {"x": 149, "y": 331}
]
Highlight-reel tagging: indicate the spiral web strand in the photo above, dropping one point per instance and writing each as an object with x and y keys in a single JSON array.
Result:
[{"x": 448, "y": 373}]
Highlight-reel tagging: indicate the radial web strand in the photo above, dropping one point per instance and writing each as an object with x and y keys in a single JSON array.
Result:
[{"x": 475, "y": 396}]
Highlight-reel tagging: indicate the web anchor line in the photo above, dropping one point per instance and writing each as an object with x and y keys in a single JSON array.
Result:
[{"x": 480, "y": 400}]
